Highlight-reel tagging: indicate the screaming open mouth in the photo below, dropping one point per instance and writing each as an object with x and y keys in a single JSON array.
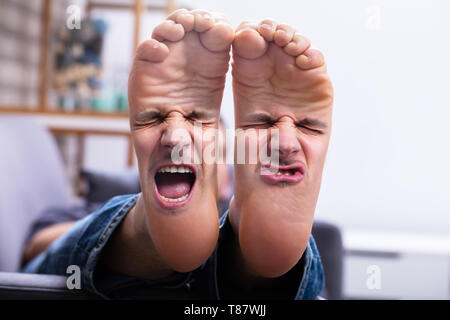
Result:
[{"x": 174, "y": 185}]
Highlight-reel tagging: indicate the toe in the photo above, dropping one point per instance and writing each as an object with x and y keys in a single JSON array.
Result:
[
  {"x": 219, "y": 37},
  {"x": 248, "y": 42},
  {"x": 152, "y": 51},
  {"x": 283, "y": 35},
  {"x": 174, "y": 15},
  {"x": 168, "y": 30},
  {"x": 247, "y": 25},
  {"x": 220, "y": 17},
  {"x": 203, "y": 20},
  {"x": 183, "y": 17},
  {"x": 311, "y": 58},
  {"x": 267, "y": 29},
  {"x": 297, "y": 46},
  {"x": 187, "y": 21}
]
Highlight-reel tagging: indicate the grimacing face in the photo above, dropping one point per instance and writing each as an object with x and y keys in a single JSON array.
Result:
[
  {"x": 156, "y": 132},
  {"x": 166, "y": 101},
  {"x": 303, "y": 137},
  {"x": 182, "y": 203},
  {"x": 272, "y": 206}
]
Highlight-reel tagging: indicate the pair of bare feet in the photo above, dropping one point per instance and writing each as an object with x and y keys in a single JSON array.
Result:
[{"x": 280, "y": 83}]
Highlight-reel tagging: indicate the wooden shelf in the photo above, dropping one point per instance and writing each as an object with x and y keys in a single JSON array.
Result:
[
  {"x": 48, "y": 111},
  {"x": 82, "y": 123},
  {"x": 137, "y": 6},
  {"x": 119, "y": 6}
]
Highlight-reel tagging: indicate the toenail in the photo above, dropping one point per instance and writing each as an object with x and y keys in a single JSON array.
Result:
[
  {"x": 155, "y": 45},
  {"x": 207, "y": 16}
]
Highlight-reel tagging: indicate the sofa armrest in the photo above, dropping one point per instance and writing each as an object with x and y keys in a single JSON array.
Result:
[{"x": 22, "y": 286}]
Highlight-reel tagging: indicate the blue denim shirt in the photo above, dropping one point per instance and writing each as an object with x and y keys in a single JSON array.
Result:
[{"x": 82, "y": 246}]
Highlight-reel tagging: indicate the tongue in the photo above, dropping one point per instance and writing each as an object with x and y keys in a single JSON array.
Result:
[{"x": 173, "y": 185}]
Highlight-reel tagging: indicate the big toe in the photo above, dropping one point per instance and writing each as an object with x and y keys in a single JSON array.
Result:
[
  {"x": 248, "y": 42},
  {"x": 168, "y": 30},
  {"x": 219, "y": 37},
  {"x": 152, "y": 50}
]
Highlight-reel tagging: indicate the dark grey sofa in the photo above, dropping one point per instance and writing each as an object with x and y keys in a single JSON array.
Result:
[
  {"x": 20, "y": 286},
  {"x": 33, "y": 180}
]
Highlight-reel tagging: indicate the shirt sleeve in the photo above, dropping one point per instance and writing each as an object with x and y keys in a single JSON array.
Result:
[
  {"x": 313, "y": 279},
  {"x": 304, "y": 281},
  {"x": 82, "y": 244}
]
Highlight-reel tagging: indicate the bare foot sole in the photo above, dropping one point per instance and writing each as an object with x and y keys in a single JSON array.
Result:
[
  {"x": 281, "y": 83},
  {"x": 177, "y": 78}
]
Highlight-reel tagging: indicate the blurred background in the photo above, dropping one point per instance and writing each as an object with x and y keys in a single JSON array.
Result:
[{"x": 385, "y": 196}]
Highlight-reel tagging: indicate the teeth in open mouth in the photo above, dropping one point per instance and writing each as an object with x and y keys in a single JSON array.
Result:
[
  {"x": 175, "y": 200},
  {"x": 174, "y": 169},
  {"x": 284, "y": 173}
]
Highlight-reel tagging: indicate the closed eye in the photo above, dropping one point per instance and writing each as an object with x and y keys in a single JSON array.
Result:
[
  {"x": 314, "y": 126},
  {"x": 258, "y": 120},
  {"x": 147, "y": 117},
  {"x": 154, "y": 120},
  {"x": 308, "y": 129},
  {"x": 260, "y": 125},
  {"x": 201, "y": 117}
]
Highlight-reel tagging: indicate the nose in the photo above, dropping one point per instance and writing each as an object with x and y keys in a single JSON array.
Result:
[
  {"x": 175, "y": 133},
  {"x": 288, "y": 142}
]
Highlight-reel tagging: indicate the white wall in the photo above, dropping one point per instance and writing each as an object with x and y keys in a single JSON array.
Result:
[
  {"x": 387, "y": 173},
  {"x": 388, "y": 162}
]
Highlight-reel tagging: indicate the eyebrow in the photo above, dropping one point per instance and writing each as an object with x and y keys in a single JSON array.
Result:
[
  {"x": 151, "y": 114},
  {"x": 262, "y": 117},
  {"x": 259, "y": 117},
  {"x": 201, "y": 114}
]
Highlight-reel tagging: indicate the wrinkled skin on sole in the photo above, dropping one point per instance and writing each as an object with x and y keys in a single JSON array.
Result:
[
  {"x": 177, "y": 78},
  {"x": 279, "y": 82}
]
